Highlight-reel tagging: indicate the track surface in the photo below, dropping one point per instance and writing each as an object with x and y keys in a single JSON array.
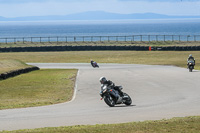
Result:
[{"x": 158, "y": 92}]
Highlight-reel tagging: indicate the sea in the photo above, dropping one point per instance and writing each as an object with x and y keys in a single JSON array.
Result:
[{"x": 186, "y": 27}]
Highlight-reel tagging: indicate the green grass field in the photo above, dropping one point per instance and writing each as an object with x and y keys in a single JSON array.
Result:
[
  {"x": 9, "y": 65},
  {"x": 176, "y": 58},
  {"x": 37, "y": 88},
  {"x": 175, "y": 125}
]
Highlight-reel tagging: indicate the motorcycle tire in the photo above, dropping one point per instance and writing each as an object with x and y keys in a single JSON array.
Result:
[
  {"x": 190, "y": 70},
  {"x": 109, "y": 101},
  {"x": 128, "y": 101}
]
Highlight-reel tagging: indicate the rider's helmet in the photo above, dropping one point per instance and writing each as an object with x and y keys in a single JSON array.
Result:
[
  {"x": 190, "y": 55},
  {"x": 102, "y": 80}
]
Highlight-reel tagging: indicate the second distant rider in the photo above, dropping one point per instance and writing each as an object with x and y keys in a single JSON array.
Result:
[{"x": 190, "y": 58}]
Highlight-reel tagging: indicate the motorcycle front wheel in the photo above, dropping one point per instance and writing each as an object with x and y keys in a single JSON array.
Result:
[
  {"x": 109, "y": 101},
  {"x": 190, "y": 69}
]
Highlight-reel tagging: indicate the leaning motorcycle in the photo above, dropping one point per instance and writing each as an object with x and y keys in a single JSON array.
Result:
[
  {"x": 190, "y": 65},
  {"x": 95, "y": 65},
  {"x": 112, "y": 96}
]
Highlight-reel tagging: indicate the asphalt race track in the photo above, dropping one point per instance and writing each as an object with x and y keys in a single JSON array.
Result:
[{"x": 157, "y": 92}]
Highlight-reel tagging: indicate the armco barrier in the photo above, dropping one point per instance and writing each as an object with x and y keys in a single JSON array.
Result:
[
  {"x": 17, "y": 72},
  {"x": 99, "y": 48}
]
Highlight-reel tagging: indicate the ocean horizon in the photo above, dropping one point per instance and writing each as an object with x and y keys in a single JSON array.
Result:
[{"x": 100, "y": 28}]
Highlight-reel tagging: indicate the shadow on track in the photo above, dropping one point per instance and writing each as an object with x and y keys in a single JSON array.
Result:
[{"x": 124, "y": 105}]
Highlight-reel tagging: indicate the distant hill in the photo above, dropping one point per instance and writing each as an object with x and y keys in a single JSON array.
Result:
[
  {"x": 3, "y": 19},
  {"x": 97, "y": 15}
]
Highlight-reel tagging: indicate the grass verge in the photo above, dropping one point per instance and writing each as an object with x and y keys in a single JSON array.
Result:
[
  {"x": 176, "y": 58},
  {"x": 37, "y": 88},
  {"x": 175, "y": 125},
  {"x": 11, "y": 64}
]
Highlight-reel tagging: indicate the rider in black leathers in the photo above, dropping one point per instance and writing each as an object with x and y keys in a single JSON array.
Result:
[{"x": 109, "y": 83}]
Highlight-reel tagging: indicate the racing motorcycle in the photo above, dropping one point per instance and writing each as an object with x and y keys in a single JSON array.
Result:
[
  {"x": 190, "y": 65},
  {"x": 113, "y": 97},
  {"x": 94, "y": 64}
]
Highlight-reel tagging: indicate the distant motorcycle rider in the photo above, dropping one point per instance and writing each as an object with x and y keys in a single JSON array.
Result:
[
  {"x": 109, "y": 83},
  {"x": 93, "y": 63},
  {"x": 190, "y": 58}
]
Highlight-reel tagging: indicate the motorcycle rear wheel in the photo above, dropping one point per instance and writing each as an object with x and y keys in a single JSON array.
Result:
[{"x": 128, "y": 101}]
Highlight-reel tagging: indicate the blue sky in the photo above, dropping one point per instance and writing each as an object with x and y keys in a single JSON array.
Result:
[{"x": 20, "y": 8}]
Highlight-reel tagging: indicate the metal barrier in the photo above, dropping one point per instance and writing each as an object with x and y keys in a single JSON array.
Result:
[{"x": 132, "y": 38}]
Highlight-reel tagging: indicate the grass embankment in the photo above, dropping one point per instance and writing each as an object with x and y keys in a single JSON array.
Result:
[
  {"x": 175, "y": 125},
  {"x": 103, "y": 43},
  {"x": 11, "y": 64},
  {"x": 42, "y": 87}
]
